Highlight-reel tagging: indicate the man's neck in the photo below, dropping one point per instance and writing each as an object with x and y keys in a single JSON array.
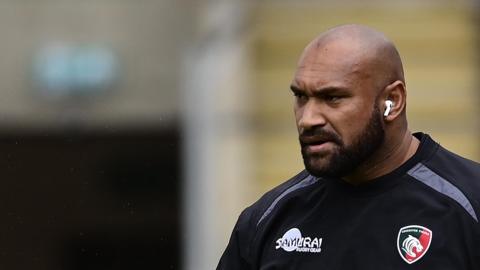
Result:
[{"x": 387, "y": 159}]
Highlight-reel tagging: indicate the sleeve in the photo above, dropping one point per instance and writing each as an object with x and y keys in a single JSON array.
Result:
[
  {"x": 476, "y": 255},
  {"x": 236, "y": 255}
]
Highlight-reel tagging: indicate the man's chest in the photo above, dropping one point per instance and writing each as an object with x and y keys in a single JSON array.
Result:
[{"x": 360, "y": 236}]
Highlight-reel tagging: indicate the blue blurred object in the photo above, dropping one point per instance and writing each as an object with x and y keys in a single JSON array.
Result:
[{"x": 64, "y": 71}]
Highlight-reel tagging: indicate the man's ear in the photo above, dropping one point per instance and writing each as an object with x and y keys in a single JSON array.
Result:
[{"x": 397, "y": 95}]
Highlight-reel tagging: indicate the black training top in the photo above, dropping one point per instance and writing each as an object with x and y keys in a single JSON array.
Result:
[{"x": 423, "y": 215}]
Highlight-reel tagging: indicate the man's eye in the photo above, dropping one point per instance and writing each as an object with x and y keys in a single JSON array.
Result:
[
  {"x": 299, "y": 95},
  {"x": 333, "y": 99}
]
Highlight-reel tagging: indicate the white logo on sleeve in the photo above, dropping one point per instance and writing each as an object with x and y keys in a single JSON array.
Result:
[{"x": 293, "y": 240}]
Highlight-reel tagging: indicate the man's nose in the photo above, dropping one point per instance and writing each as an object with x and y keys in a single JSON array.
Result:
[{"x": 311, "y": 116}]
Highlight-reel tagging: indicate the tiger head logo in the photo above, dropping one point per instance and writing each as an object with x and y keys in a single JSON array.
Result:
[{"x": 413, "y": 242}]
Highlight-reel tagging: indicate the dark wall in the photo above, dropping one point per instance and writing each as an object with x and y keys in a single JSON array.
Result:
[{"x": 106, "y": 200}]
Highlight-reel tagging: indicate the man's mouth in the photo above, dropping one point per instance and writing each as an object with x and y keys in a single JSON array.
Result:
[
  {"x": 315, "y": 144},
  {"x": 315, "y": 140},
  {"x": 313, "y": 148}
]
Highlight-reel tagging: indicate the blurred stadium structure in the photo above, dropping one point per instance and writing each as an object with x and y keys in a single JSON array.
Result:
[
  {"x": 115, "y": 115},
  {"x": 90, "y": 133}
]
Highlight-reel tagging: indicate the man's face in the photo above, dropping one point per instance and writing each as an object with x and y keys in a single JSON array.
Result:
[{"x": 338, "y": 120}]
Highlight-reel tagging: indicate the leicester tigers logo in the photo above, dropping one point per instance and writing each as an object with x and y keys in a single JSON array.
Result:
[{"x": 413, "y": 242}]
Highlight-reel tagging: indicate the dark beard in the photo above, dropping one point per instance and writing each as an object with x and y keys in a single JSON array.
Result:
[{"x": 347, "y": 158}]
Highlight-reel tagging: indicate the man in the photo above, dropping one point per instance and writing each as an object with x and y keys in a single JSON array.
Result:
[{"x": 373, "y": 195}]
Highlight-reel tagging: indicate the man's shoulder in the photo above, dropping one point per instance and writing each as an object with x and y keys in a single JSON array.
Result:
[
  {"x": 454, "y": 176},
  {"x": 263, "y": 206},
  {"x": 455, "y": 168}
]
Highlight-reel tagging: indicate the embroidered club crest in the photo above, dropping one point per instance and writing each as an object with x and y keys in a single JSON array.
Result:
[{"x": 413, "y": 242}]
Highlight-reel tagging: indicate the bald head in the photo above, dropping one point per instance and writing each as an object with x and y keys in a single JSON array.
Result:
[
  {"x": 363, "y": 50},
  {"x": 350, "y": 101}
]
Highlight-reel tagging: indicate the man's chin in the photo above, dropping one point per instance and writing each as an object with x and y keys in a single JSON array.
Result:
[{"x": 320, "y": 168}]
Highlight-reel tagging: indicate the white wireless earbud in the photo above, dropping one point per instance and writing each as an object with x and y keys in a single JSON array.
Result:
[{"x": 389, "y": 105}]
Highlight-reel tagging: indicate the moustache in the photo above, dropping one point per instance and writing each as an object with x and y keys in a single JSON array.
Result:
[{"x": 318, "y": 136}]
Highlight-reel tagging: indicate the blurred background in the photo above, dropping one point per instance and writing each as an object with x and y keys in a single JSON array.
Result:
[{"x": 133, "y": 133}]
